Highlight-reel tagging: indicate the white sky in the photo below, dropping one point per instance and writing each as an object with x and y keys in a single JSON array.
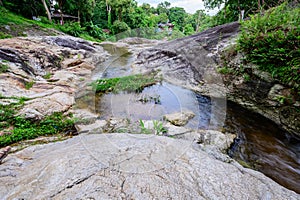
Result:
[{"x": 190, "y": 6}]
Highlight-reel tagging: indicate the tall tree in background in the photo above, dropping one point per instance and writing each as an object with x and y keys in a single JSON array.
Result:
[
  {"x": 177, "y": 16},
  {"x": 85, "y": 9},
  {"x": 119, "y": 6},
  {"x": 163, "y": 7},
  {"x": 47, "y": 10}
]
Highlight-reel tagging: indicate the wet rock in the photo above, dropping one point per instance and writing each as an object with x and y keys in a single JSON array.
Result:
[
  {"x": 124, "y": 165},
  {"x": 180, "y": 118}
]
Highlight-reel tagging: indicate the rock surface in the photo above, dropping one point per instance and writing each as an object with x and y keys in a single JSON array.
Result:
[
  {"x": 127, "y": 166},
  {"x": 67, "y": 61},
  {"x": 192, "y": 62},
  {"x": 180, "y": 118}
]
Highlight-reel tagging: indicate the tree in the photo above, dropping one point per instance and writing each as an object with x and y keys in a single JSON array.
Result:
[
  {"x": 188, "y": 29},
  {"x": 47, "y": 10},
  {"x": 119, "y": 27},
  {"x": 100, "y": 16},
  {"x": 177, "y": 15},
  {"x": 119, "y": 6},
  {"x": 163, "y": 7}
]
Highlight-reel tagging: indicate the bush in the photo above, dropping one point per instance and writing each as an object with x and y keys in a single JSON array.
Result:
[
  {"x": 72, "y": 28},
  {"x": 119, "y": 27},
  {"x": 95, "y": 31},
  {"x": 272, "y": 41}
]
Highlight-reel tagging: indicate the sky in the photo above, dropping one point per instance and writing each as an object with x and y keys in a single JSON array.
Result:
[{"x": 190, "y": 6}]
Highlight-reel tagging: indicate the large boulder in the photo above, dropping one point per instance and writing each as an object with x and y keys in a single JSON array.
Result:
[{"x": 108, "y": 166}]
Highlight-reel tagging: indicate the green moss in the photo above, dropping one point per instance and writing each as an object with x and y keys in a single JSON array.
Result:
[{"x": 134, "y": 83}]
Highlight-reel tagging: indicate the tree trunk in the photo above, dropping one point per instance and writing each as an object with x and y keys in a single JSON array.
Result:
[
  {"x": 198, "y": 22},
  {"x": 78, "y": 15},
  {"x": 61, "y": 14},
  {"x": 47, "y": 10},
  {"x": 108, "y": 9},
  {"x": 225, "y": 4},
  {"x": 1, "y": 4}
]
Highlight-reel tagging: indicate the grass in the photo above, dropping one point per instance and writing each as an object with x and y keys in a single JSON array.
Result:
[
  {"x": 133, "y": 83},
  {"x": 18, "y": 24},
  {"x": 16, "y": 128},
  {"x": 47, "y": 75},
  {"x": 29, "y": 85}
]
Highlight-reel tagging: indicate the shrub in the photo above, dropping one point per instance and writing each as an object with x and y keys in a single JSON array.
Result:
[
  {"x": 119, "y": 27},
  {"x": 3, "y": 68},
  {"x": 72, "y": 28},
  {"x": 272, "y": 41}
]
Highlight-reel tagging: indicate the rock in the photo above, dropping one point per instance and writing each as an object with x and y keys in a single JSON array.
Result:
[
  {"x": 96, "y": 127},
  {"x": 180, "y": 118},
  {"x": 216, "y": 139},
  {"x": 30, "y": 113},
  {"x": 116, "y": 125},
  {"x": 85, "y": 116},
  {"x": 176, "y": 130},
  {"x": 57, "y": 102},
  {"x": 4, "y": 152},
  {"x": 123, "y": 165},
  {"x": 30, "y": 58},
  {"x": 70, "y": 42}
]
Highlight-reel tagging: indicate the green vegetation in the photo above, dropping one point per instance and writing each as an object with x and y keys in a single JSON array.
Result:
[
  {"x": 144, "y": 130},
  {"x": 133, "y": 83},
  {"x": 47, "y": 75},
  {"x": 4, "y": 35},
  {"x": 29, "y": 85},
  {"x": 272, "y": 42},
  {"x": 97, "y": 20},
  {"x": 15, "y": 128},
  {"x": 224, "y": 70},
  {"x": 3, "y": 68},
  {"x": 157, "y": 128}
]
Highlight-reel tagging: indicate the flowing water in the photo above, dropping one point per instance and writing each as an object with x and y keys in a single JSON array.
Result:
[
  {"x": 264, "y": 146},
  {"x": 260, "y": 143}
]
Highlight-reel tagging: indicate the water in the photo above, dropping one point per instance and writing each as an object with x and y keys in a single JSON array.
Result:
[
  {"x": 260, "y": 143},
  {"x": 264, "y": 146},
  {"x": 117, "y": 65},
  {"x": 151, "y": 104}
]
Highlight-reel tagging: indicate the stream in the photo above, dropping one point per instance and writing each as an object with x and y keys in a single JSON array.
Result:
[{"x": 260, "y": 143}]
